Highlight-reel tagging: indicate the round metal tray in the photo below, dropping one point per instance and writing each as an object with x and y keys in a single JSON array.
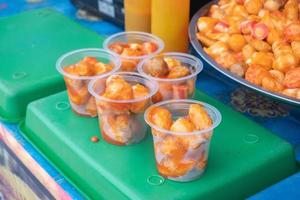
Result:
[{"x": 199, "y": 49}]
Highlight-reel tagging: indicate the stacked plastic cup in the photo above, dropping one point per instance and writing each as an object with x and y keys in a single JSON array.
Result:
[
  {"x": 121, "y": 122},
  {"x": 182, "y": 156},
  {"x": 129, "y": 62},
  {"x": 82, "y": 102}
]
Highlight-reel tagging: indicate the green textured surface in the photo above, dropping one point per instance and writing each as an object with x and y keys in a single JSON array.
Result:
[
  {"x": 30, "y": 43},
  {"x": 244, "y": 157}
]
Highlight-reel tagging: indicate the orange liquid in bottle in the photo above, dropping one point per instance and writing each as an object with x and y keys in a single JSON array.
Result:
[
  {"x": 170, "y": 20},
  {"x": 138, "y": 15}
]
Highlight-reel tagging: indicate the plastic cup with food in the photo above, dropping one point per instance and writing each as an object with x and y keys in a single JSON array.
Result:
[
  {"x": 121, "y": 100},
  {"x": 182, "y": 131},
  {"x": 79, "y": 67},
  {"x": 132, "y": 47},
  {"x": 175, "y": 73}
]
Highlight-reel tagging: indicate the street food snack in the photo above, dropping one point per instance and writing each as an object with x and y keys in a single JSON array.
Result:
[
  {"x": 132, "y": 47},
  {"x": 78, "y": 68},
  {"x": 175, "y": 74},
  {"x": 182, "y": 131},
  {"x": 258, "y": 40},
  {"x": 121, "y": 100}
]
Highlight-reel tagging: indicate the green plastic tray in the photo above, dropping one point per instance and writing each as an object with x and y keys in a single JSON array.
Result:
[
  {"x": 31, "y": 42},
  {"x": 244, "y": 157}
]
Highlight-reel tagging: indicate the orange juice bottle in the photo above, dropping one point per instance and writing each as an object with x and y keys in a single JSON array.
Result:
[
  {"x": 169, "y": 21},
  {"x": 138, "y": 15}
]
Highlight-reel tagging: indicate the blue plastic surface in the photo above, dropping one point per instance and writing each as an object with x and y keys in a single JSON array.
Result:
[{"x": 288, "y": 189}]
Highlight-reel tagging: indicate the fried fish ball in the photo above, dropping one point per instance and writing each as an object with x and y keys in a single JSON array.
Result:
[
  {"x": 138, "y": 92},
  {"x": 216, "y": 12},
  {"x": 260, "y": 45},
  {"x": 238, "y": 69},
  {"x": 161, "y": 117},
  {"x": 182, "y": 125},
  {"x": 206, "y": 24},
  {"x": 284, "y": 56},
  {"x": 223, "y": 37},
  {"x": 253, "y": 6},
  {"x": 272, "y": 5},
  {"x": 271, "y": 84},
  {"x": 292, "y": 78},
  {"x": 247, "y": 52},
  {"x": 278, "y": 20},
  {"x": 226, "y": 59},
  {"x": 156, "y": 67},
  {"x": 130, "y": 64},
  {"x": 278, "y": 75},
  {"x": 217, "y": 48},
  {"x": 193, "y": 141},
  {"x": 296, "y": 48},
  {"x": 199, "y": 117},
  {"x": 239, "y": 10},
  {"x": 117, "y": 88},
  {"x": 255, "y": 74},
  {"x": 292, "y": 31},
  {"x": 294, "y": 92},
  {"x": 236, "y": 42},
  {"x": 263, "y": 59},
  {"x": 83, "y": 69},
  {"x": 172, "y": 147},
  {"x": 205, "y": 40},
  {"x": 285, "y": 62},
  {"x": 274, "y": 35},
  {"x": 119, "y": 128},
  {"x": 178, "y": 72},
  {"x": 291, "y": 10}
]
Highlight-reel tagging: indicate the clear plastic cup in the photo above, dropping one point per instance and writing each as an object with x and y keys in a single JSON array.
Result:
[
  {"x": 129, "y": 63},
  {"x": 82, "y": 102},
  {"x": 175, "y": 88},
  {"x": 182, "y": 156},
  {"x": 121, "y": 122}
]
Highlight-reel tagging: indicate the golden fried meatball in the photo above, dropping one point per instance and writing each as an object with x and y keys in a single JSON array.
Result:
[
  {"x": 291, "y": 10},
  {"x": 156, "y": 67},
  {"x": 117, "y": 88},
  {"x": 296, "y": 48},
  {"x": 236, "y": 42},
  {"x": 292, "y": 78},
  {"x": 138, "y": 92},
  {"x": 260, "y": 45},
  {"x": 205, "y": 24},
  {"x": 247, "y": 52},
  {"x": 182, "y": 125},
  {"x": 292, "y": 32},
  {"x": 199, "y": 117},
  {"x": 271, "y": 84},
  {"x": 253, "y": 6},
  {"x": 161, "y": 117},
  {"x": 263, "y": 59},
  {"x": 278, "y": 75},
  {"x": 255, "y": 74}
]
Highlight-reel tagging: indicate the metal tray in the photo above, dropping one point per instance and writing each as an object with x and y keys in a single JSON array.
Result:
[{"x": 198, "y": 51}]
